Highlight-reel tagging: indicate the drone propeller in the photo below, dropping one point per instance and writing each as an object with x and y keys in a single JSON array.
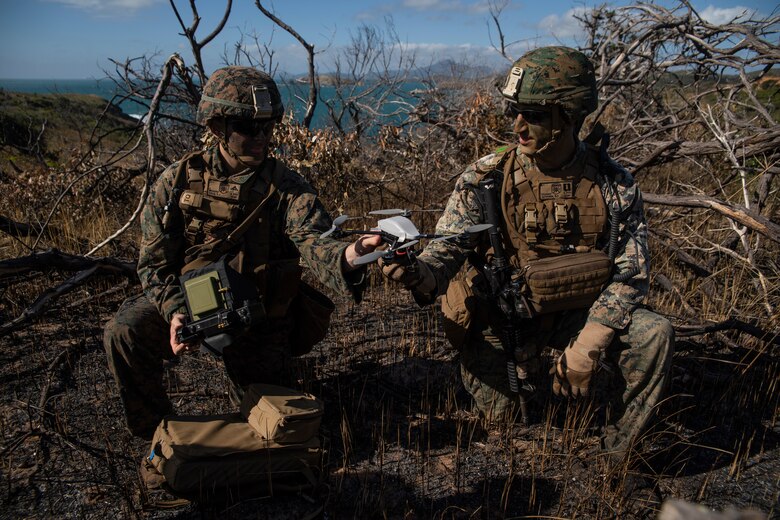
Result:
[
  {"x": 477, "y": 228},
  {"x": 404, "y": 245},
  {"x": 337, "y": 222},
  {"x": 395, "y": 211},
  {"x": 369, "y": 257},
  {"x": 376, "y": 255}
]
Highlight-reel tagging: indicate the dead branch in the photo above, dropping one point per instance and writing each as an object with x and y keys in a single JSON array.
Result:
[
  {"x": 685, "y": 331},
  {"x": 739, "y": 214},
  {"x": 682, "y": 257},
  {"x": 189, "y": 33},
  {"x": 20, "y": 229},
  {"x": 54, "y": 259},
  {"x": 666, "y": 284},
  {"x": 52, "y": 293},
  {"x": 495, "y": 8},
  {"x": 312, "y": 102},
  {"x": 173, "y": 61}
]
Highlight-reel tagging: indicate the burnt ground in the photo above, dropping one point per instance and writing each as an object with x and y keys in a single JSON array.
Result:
[{"x": 402, "y": 441}]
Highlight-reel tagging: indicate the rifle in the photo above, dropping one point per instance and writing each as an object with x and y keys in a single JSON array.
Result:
[
  {"x": 505, "y": 293},
  {"x": 220, "y": 303}
]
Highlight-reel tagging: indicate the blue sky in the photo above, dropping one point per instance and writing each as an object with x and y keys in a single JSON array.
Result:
[{"x": 43, "y": 39}]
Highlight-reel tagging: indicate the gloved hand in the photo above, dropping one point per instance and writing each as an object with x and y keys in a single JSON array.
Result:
[
  {"x": 416, "y": 276},
  {"x": 575, "y": 367}
]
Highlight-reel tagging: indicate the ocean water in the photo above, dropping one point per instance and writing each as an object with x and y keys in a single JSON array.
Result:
[{"x": 291, "y": 94}]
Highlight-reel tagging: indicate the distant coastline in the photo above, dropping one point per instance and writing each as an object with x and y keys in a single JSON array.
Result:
[
  {"x": 106, "y": 88},
  {"x": 103, "y": 87}
]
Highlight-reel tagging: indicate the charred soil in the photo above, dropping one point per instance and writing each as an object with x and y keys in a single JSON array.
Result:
[{"x": 401, "y": 439}]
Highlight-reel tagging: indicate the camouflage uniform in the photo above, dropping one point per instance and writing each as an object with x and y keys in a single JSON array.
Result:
[
  {"x": 137, "y": 339},
  {"x": 642, "y": 349}
]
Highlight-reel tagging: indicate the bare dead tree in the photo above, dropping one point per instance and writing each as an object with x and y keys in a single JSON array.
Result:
[
  {"x": 311, "y": 104},
  {"x": 368, "y": 80},
  {"x": 678, "y": 89},
  {"x": 189, "y": 33},
  {"x": 658, "y": 66},
  {"x": 254, "y": 51},
  {"x": 172, "y": 63}
]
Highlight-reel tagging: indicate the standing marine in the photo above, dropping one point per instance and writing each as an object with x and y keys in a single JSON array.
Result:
[
  {"x": 573, "y": 231},
  {"x": 231, "y": 203}
]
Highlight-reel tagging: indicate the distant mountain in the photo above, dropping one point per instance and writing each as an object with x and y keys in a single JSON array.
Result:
[
  {"x": 441, "y": 70},
  {"x": 451, "y": 69}
]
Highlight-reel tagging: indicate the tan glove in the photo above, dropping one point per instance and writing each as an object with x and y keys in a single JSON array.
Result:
[
  {"x": 575, "y": 367},
  {"x": 417, "y": 277}
]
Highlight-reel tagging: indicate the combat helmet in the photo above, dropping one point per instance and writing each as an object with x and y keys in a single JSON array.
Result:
[
  {"x": 554, "y": 75},
  {"x": 240, "y": 92}
]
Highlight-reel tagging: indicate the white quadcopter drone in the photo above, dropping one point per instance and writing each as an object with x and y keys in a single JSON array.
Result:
[{"x": 397, "y": 231}]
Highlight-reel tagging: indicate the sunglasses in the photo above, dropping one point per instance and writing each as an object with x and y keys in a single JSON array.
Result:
[
  {"x": 252, "y": 127},
  {"x": 531, "y": 115}
]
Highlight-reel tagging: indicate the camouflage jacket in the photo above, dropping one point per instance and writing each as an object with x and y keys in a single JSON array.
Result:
[
  {"x": 298, "y": 219},
  {"x": 618, "y": 300}
]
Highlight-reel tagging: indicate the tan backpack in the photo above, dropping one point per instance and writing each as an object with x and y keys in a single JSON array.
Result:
[{"x": 213, "y": 456}]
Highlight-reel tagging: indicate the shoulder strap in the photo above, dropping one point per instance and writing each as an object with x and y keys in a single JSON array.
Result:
[
  {"x": 176, "y": 188},
  {"x": 592, "y": 168}
]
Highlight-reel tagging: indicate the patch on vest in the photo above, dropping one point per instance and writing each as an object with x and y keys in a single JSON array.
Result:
[
  {"x": 556, "y": 190},
  {"x": 224, "y": 190},
  {"x": 191, "y": 199}
]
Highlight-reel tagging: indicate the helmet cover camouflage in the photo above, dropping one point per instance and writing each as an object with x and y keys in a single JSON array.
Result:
[
  {"x": 553, "y": 75},
  {"x": 240, "y": 92}
]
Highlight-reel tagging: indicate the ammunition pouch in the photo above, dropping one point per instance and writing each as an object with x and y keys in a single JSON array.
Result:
[
  {"x": 461, "y": 310},
  {"x": 191, "y": 201},
  {"x": 566, "y": 282},
  {"x": 280, "y": 414}
]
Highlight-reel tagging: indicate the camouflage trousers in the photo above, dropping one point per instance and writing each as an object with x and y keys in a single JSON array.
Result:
[
  {"x": 640, "y": 355},
  {"x": 137, "y": 342}
]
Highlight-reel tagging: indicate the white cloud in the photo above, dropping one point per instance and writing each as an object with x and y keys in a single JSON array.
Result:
[
  {"x": 721, "y": 15},
  {"x": 565, "y": 26},
  {"x": 108, "y": 6},
  {"x": 446, "y": 5}
]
